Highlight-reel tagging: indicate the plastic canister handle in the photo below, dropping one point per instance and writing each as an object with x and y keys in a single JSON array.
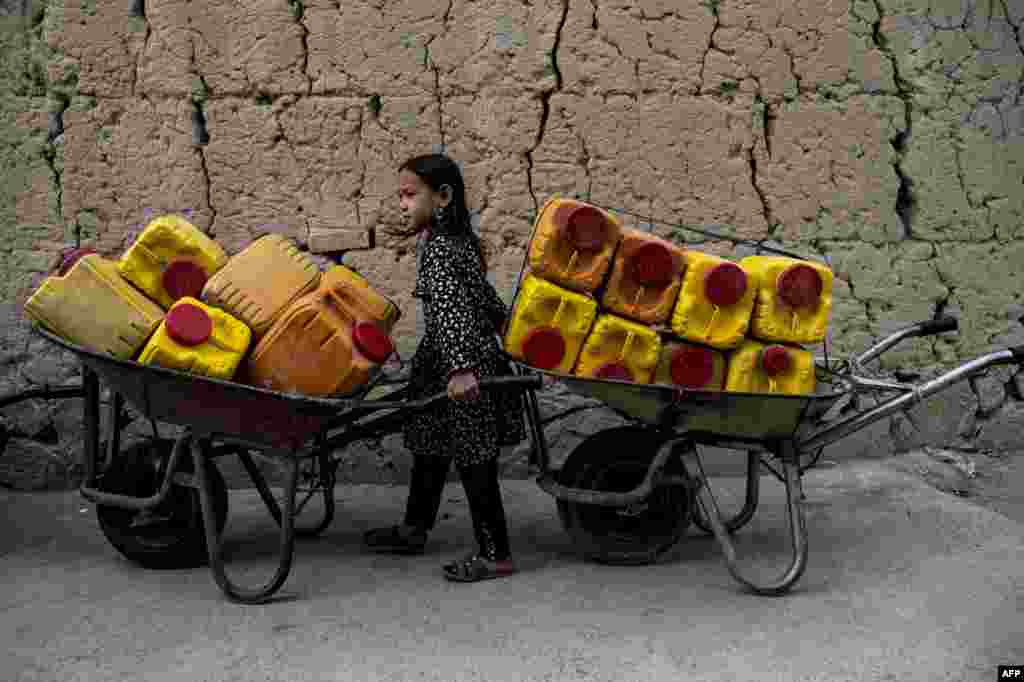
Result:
[{"x": 69, "y": 258}]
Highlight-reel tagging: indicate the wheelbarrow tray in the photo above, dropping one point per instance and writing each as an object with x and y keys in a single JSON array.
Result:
[
  {"x": 211, "y": 406},
  {"x": 725, "y": 415}
]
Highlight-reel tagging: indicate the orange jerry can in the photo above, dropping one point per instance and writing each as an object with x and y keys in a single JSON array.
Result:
[
  {"x": 573, "y": 244},
  {"x": 646, "y": 276},
  {"x": 715, "y": 302},
  {"x": 794, "y": 299},
  {"x": 755, "y": 367},
  {"x": 359, "y": 299},
  {"x": 259, "y": 282},
  {"x": 689, "y": 365},
  {"x": 318, "y": 348}
]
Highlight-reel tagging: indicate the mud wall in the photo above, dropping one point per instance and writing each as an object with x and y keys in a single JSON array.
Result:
[{"x": 887, "y": 135}]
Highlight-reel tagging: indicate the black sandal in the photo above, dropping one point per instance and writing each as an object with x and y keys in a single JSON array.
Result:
[
  {"x": 394, "y": 540},
  {"x": 474, "y": 568}
]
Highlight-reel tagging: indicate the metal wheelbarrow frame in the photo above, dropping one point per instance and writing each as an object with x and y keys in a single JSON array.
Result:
[
  {"x": 788, "y": 428},
  {"x": 224, "y": 418}
]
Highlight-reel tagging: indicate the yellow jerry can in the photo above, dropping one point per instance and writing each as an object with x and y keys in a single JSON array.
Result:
[
  {"x": 690, "y": 365},
  {"x": 171, "y": 259},
  {"x": 548, "y": 325},
  {"x": 200, "y": 339},
  {"x": 715, "y": 303},
  {"x": 88, "y": 303},
  {"x": 619, "y": 349},
  {"x": 756, "y": 367},
  {"x": 794, "y": 299}
]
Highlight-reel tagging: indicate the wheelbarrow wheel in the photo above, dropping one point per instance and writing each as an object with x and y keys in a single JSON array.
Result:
[
  {"x": 617, "y": 460},
  {"x": 173, "y": 537}
]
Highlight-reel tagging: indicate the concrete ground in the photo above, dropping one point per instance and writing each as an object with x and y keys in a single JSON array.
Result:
[{"x": 904, "y": 582}]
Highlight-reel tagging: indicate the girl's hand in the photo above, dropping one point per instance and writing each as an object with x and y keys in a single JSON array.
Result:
[{"x": 463, "y": 386}]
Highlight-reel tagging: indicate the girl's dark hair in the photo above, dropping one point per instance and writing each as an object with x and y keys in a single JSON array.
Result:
[{"x": 437, "y": 170}]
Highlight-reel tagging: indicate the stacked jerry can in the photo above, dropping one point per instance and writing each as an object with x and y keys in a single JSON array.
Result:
[
  {"x": 606, "y": 302},
  {"x": 265, "y": 316}
]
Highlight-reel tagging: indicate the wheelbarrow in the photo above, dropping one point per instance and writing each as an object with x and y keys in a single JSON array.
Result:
[
  {"x": 627, "y": 494},
  {"x": 161, "y": 503}
]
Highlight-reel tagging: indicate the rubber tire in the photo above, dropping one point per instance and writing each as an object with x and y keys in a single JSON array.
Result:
[
  {"x": 137, "y": 471},
  {"x": 622, "y": 455}
]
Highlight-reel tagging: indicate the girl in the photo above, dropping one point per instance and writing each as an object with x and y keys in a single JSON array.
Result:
[{"x": 463, "y": 315}]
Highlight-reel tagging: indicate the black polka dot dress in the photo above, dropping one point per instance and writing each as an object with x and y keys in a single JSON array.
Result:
[{"x": 462, "y": 317}]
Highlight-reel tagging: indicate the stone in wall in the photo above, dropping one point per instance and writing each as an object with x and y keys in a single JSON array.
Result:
[
  {"x": 125, "y": 159},
  {"x": 222, "y": 48}
]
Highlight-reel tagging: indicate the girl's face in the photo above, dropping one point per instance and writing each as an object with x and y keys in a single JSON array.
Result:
[{"x": 417, "y": 200}]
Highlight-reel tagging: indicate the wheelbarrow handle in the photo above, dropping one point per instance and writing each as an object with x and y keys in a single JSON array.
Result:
[
  {"x": 938, "y": 326},
  {"x": 1018, "y": 354},
  {"x": 529, "y": 382},
  {"x": 925, "y": 328}
]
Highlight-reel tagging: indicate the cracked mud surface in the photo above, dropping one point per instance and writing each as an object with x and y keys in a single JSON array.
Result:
[{"x": 887, "y": 135}]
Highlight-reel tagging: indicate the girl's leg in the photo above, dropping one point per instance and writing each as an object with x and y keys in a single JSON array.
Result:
[
  {"x": 493, "y": 559},
  {"x": 426, "y": 489},
  {"x": 484, "y": 496}
]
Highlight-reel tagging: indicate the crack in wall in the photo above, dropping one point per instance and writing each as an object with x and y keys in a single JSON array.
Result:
[
  {"x": 430, "y": 64},
  {"x": 201, "y": 138},
  {"x": 545, "y": 98},
  {"x": 1015, "y": 27},
  {"x": 906, "y": 201},
  {"x": 138, "y": 11},
  {"x": 712, "y": 6},
  {"x": 299, "y": 11},
  {"x": 766, "y": 210}
]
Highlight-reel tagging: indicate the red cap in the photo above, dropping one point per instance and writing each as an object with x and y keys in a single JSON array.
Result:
[
  {"x": 585, "y": 227},
  {"x": 69, "y": 258},
  {"x": 371, "y": 341},
  {"x": 183, "y": 278},
  {"x": 653, "y": 264},
  {"x": 692, "y": 367},
  {"x": 614, "y": 370},
  {"x": 188, "y": 324},
  {"x": 544, "y": 348},
  {"x": 775, "y": 360},
  {"x": 800, "y": 286},
  {"x": 725, "y": 284}
]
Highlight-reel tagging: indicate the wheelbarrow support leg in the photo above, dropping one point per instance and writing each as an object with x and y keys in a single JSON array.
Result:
[
  {"x": 795, "y": 517},
  {"x": 213, "y": 541}
]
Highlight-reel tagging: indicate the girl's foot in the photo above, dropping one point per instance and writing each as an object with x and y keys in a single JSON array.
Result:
[
  {"x": 475, "y": 567},
  {"x": 396, "y": 540}
]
